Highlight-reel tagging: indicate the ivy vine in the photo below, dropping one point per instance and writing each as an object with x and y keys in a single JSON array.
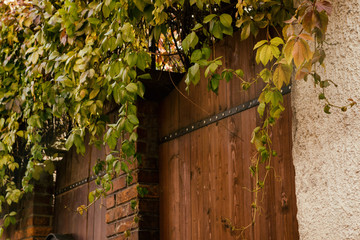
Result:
[{"x": 62, "y": 61}]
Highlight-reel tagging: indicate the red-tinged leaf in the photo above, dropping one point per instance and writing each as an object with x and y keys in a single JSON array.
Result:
[
  {"x": 308, "y": 21},
  {"x": 301, "y": 52},
  {"x": 291, "y": 20},
  {"x": 300, "y": 74},
  {"x": 63, "y": 37},
  {"x": 306, "y": 37},
  {"x": 322, "y": 21},
  {"x": 324, "y": 6}
]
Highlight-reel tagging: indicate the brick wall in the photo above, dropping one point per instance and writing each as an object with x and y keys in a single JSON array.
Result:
[
  {"x": 119, "y": 215},
  {"x": 35, "y": 213}
]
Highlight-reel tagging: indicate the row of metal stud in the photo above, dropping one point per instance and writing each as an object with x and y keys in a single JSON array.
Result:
[
  {"x": 205, "y": 122},
  {"x": 79, "y": 183}
]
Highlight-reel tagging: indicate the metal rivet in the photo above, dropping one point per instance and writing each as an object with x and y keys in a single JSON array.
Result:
[
  {"x": 236, "y": 109},
  {"x": 216, "y": 117},
  {"x": 223, "y": 114},
  {"x": 170, "y": 135},
  {"x": 210, "y": 119},
  {"x": 229, "y": 111},
  {"x": 243, "y": 105},
  {"x": 204, "y": 121},
  {"x": 187, "y": 129},
  {"x": 289, "y": 87},
  {"x": 175, "y": 134},
  {"x": 192, "y": 127}
]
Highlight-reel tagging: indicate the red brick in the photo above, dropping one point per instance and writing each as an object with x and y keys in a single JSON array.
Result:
[
  {"x": 133, "y": 236},
  {"x": 126, "y": 194},
  {"x": 125, "y": 224},
  {"x": 118, "y": 212},
  {"x": 110, "y": 201},
  {"x": 41, "y": 221},
  {"x": 110, "y": 229},
  {"x": 38, "y": 231},
  {"x": 118, "y": 184}
]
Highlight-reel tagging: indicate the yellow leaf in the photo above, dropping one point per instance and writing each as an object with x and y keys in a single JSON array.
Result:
[
  {"x": 266, "y": 54},
  {"x": 288, "y": 50},
  {"x": 282, "y": 74}
]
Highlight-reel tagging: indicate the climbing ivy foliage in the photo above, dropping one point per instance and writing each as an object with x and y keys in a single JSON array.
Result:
[{"x": 64, "y": 61}]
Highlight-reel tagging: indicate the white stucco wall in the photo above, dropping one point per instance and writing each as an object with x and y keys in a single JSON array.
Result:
[{"x": 326, "y": 148}]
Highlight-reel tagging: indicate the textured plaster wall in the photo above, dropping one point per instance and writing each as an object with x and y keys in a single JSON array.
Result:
[{"x": 326, "y": 148}]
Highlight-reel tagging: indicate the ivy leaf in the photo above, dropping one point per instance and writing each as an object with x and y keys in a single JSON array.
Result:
[
  {"x": 194, "y": 74},
  {"x": 261, "y": 109},
  {"x": 265, "y": 74},
  {"x": 324, "y": 6},
  {"x": 94, "y": 93},
  {"x": 208, "y": 18},
  {"x": 282, "y": 75},
  {"x": 245, "y": 32},
  {"x": 140, "y": 4},
  {"x": 217, "y": 30},
  {"x": 259, "y": 44},
  {"x": 266, "y": 54},
  {"x": 288, "y": 50},
  {"x": 226, "y": 19},
  {"x": 196, "y": 55},
  {"x": 131, "y": 87},
  {"x": 133, "y": 119},
  {"x": 276, "y": 41},
  {"x": 301, "y": 52},
  {"x": 141, "y": 89}
]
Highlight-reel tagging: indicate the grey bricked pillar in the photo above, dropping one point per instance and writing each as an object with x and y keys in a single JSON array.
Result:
[{"x": 120, "y": 215}]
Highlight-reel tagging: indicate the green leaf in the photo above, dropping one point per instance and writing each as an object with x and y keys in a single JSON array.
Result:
[
  {"x": 194, "y": 74},
  {"x": 259, "y": 44},
  {"x": 196, "y": 55},
  {"x": 261, "y": 109},
  {"x": 131, "y": 59},
  {"x": 226, "y": 19},
  {"x": 133, "y": 119},
  {"x": 327, "y": 109},
  {"x": 94, "y": 93},
  {"x": 105, "y": 11},
  {"x": 94, "y": 21},
  {"x": 140, "y": 4},
  {"x": 217, "y": 30},
  {"x": 69, "y": 142},
  {"x": 131, "y": 87},
  {"x": 141, "y": 89},
  {"x": 197, "y": 26},
  {"x": 208, "y": 18},
  {"x": 212, "y": 68},
  {"x": 265, "y": 74},
  {"x": 91, "y": 196}
]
